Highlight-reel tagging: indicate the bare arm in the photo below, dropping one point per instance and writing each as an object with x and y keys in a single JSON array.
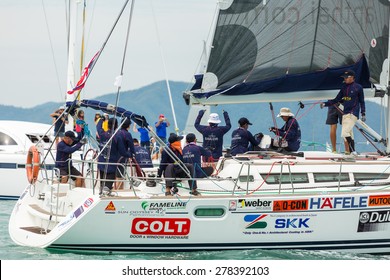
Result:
[{"x": 135, "y": 127}]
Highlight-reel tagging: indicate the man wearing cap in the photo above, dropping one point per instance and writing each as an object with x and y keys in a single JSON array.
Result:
[
  {"x": 161, "y": 127},
  {"x": 59, "y": 120},
  {"x": 65, "y": 148},
  {"x": 193, "y": 153},
  {"x": 290, "y": 132},
  {"x": 213, "y": 134},
  {"x": 241, "y": 137},
  {"x": 170, "y": 168},
  {"x": 351, "y": 96}
]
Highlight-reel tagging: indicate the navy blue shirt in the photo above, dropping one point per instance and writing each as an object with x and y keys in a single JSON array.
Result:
[
  {"x": 291, "y": 132},
  {"x": 59, "y": 125},
  {"x": 143, "y": 157},
  {"x": 117, "y": 150},
  {"x": 127, "y": 140},
  {"x": 64, "y": 154},
  {"x": 192, "y": 154},
  {"x": 352, "y": 98},
  {"x": 213, "y": 135},
  {"x": 240, "y": 141}
]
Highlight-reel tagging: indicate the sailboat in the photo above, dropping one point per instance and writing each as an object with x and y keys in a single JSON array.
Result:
[{"x": 263, "y": 51}]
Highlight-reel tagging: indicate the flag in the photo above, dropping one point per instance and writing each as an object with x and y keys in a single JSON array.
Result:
[{"x": 85, "y": 74}]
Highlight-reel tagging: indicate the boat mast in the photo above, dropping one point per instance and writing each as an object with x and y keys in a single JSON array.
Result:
[{"x": 70, "y": 82}]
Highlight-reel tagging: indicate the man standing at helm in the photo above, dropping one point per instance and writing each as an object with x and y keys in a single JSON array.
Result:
[
  {"x": 213, "y": 134},
  {"x": 351, "y": 96}
]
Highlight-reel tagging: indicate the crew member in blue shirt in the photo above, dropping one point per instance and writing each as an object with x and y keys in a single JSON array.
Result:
[
  {"x": 193, "y": 153},
  {"x": 213, "y": 134},
  {"x": 110, "y": 156},
  {"x": 241, "y": 137},
  {"x": 65, "y": 148},
  {"x": 171, "y": 169},
  {"x": 144, "y": 136},
  {"x": 290, "y": 132},
  {"x": 351, "y": 96},
  {"x": 161, "y": 127},
  {"x": 142, "y": 156},
  {"x": 129, "y": 147}
]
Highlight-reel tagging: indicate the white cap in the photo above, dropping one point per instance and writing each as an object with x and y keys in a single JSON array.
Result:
[
  {"x": 62, "y": 108},
  {"x": 214, "y": 118},
  {"x": 285, "y": 112}
]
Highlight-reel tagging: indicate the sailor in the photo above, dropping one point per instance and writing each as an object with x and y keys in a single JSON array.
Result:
[
  {"x": 142, "y": 155},
  {"x": 352, "y": 97},
  {"x": 171, "y": 169},
  {"x": 335, "y": 116},
  {"x": 289, "y": 135},
  {"x": 213, "y": 134},
  {"x": 241, "y": 137},
  {"x": 65, "y": 149},
  {"x": 60, "y": 120},
  {"x": 192, "y": 153},
  {"x": 161, "y": 127},
  {"x": 129, "y": 147},
  {"x": 111, "y": 154}
]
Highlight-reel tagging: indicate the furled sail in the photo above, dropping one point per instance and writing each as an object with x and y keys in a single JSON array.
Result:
[{"x": 295, "y": 46}]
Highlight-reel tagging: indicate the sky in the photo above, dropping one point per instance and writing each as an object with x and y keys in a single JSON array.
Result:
[{"x": 33, "y": 46}]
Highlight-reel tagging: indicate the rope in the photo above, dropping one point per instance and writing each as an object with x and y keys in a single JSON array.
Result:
[
  {"x": 165, "y": 69},
  {"x": 52, "y": 50}
]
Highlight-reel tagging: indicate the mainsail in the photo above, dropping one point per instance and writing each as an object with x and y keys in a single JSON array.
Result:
[{"x": 268, "y": 49}]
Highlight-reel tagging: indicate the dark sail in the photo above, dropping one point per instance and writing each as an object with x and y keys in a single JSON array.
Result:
[{"x": 297, "y": 46}]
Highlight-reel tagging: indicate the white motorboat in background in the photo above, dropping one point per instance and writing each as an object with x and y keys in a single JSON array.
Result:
[{"x": 16, "y": 137}]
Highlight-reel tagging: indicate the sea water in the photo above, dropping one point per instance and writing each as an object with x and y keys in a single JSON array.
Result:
[{"x": 10, "y": 251}]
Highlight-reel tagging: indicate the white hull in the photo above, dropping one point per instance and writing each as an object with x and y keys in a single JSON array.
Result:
[
  {"x": 307, "y": 216},
  {"x": 17, "y": 137}
]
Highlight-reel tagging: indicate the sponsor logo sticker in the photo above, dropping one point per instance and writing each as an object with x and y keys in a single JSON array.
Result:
[
  {"x": 257, "y": 204},
  {"x": 291, "y": 205},
  {"x": 374, "y": 221},
  {"x": 379, "y": 200},
  {"x": 110, "y": 208},
  {"x": 88, "y": 202},
  {"x": 255, "y": 221},
  {"x": 161, "y": 226}
]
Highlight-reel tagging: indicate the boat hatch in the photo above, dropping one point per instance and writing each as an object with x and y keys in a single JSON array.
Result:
[{"x": 35, "y": 138}]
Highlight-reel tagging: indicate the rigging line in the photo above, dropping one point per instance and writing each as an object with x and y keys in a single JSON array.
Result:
[
  {"x": 104, "y": 43},
  {"x": 67, "y": 16},
  {"x": 52, "y": 50},
  {"x": 208, "y": 38},
  {"x": 119, "y": 79},
  {"x": 164, "y": 67},
  {"x": 91, "y": 23}
]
